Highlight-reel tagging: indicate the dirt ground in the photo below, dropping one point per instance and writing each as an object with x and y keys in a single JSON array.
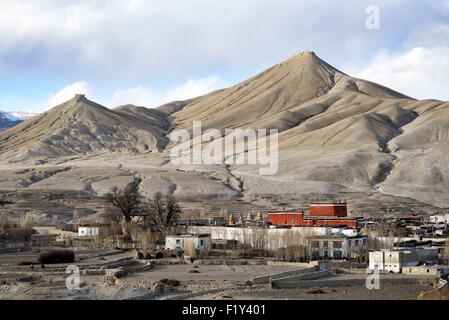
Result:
[
  {"x": 19, "y": 280},
  {"x": 387, "y": 292},
  {"x": 34, "y": 282},
  {"x": 209, "y": 272}
]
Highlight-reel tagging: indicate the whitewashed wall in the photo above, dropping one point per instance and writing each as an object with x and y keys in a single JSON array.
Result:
[{"x": 268, "y": 239}]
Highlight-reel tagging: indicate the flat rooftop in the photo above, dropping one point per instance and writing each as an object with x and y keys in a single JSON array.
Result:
[
  {"x": 331, "y": 218},
  {"x": 329, "y": 203},
  {"x": 286, "y": 212},
  {"x": 199, "y": 235}
]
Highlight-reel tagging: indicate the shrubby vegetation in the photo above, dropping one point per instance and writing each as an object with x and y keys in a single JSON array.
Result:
[
  {"x": 56, "y": 256},
  {"x": 16, "y": 231}
]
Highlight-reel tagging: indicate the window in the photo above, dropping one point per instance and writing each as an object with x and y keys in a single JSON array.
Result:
[
  {"x": 315, "y": 244},
  {"x": 337, "y": 244},
  {"x": 201, "y": 242},
  {"x": 178, "y": 241},
  {"x": 337, "y": 254}
]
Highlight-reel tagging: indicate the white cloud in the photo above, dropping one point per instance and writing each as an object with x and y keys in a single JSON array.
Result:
[
  {"x": 194, "y": 88},
  {"x": 418, "y": 72},
  {"x": 68, "y": 92},
  {"x": 160, "y": 42},
  {"x": 139, "y": 96},
  {"x": 180, "y": 37},
  {"x": 21, "y": 103},
  {"x": 146, "y": 97}
]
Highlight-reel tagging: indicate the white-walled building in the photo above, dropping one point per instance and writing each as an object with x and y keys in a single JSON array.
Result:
[
  {"x": 441, "y": 217},
  {"x": 337, "y": 246},
  {"x": 263, "y": 238},
  {"x": 395, "y": 260},
  {"x": 200, "y": 241},
  {"x": 93, "y": 230},
  {"x": 347, "y": 232},
  {"x": 269, "y": 238}
]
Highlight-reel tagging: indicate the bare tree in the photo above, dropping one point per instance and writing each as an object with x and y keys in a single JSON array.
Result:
[
  {"x": 20, "y": 232},
  {"x": 126, "y": 200},
  {"x": 5, "y": 202},
  {"x": 147, "y": 240},
  {"x": 163, "y": 212},
  {"x": 4, "y": 222},
  {"x": 111, "y": 215},
  {"x": 189, "y": 249},
  {"x": 260, "y": 241}
]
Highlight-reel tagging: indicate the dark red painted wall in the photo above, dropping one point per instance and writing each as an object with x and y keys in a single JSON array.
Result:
[
  {"x": 328, "y": 210},
  {"x": 295, "y": 219},
  {"x": 285, "y": 219}
]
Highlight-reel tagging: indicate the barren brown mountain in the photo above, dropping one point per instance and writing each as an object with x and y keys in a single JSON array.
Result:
[{"x": 339, "y": 137}]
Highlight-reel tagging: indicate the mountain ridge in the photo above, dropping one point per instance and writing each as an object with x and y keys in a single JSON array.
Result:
[
  {"x": 337, "y": 134},
  {"x": 81, "y": 126},
  {"x": 11, "y": 118}
]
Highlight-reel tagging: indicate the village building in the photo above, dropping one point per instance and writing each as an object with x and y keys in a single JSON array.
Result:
[
  {"x": 334, "y": 209},
  {"x": 286, "y": 218},
  {"x": 438, "y": 218},
  {"x": 93, "y": 229},
  {"x": 268, "y": 238},
  {"x": 423, "y": 271},
  {"x": 337, "y": 247},
  {"x": 395, "y": 260},
  {"x": 201, "y": 242},
  {"x": 333, "y": 214}
]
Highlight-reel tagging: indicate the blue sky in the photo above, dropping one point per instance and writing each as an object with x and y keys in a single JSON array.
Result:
[{"x": 151, "y": 52}]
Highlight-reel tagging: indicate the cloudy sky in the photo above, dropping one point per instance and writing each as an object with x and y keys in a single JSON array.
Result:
[{"x": 154, "y": 51}]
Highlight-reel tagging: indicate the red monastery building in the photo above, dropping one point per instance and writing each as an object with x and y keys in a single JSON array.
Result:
[
  {"x": 320, "y": 215},
  {"x": 286, "y": 218},
  {"x": 329, "y": 209}
]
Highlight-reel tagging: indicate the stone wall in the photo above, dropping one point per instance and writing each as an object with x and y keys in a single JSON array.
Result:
[{"x": 441, "y": 292}]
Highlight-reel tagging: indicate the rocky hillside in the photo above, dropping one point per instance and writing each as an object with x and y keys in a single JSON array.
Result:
[
  {"x": 337, "y": 135},
  {"x": 80, "y": 126}
]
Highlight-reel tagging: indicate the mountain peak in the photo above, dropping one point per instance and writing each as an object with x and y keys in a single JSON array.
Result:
[
  {"x": 77, "y": 100},
  {"x": 306, "y": 54},
  {"x": 79, "y": 97},
  {"x": 83, "y": 126},
  {"x": 78, "y": 103}
]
